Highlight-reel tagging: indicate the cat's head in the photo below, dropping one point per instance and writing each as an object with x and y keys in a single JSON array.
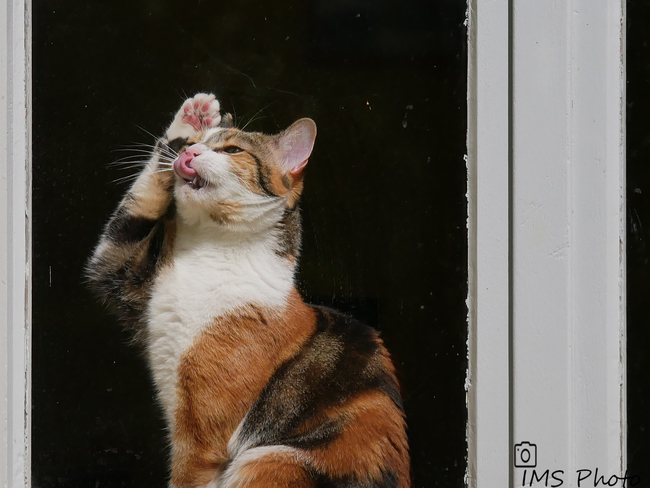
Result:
[{"x": 242, "y": 180}]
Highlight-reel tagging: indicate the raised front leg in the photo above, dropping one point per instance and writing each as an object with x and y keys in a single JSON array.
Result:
[{"x": 138, "y": 236}]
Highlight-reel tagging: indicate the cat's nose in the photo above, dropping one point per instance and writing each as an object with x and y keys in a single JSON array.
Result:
[{"x": 195, "y": 149}]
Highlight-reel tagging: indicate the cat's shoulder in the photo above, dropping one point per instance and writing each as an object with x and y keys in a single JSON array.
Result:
[
  {"x": 344, "y": 327},
  {"x": 346, "y": 352}
]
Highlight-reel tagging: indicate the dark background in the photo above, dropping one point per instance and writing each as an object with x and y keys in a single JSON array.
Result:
[
  {"x": 638, "y": 238},
  {"x": 384, "y": 206}
]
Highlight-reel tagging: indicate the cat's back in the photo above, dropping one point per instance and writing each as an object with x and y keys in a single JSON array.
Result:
[{"x": 336, "y": 403}]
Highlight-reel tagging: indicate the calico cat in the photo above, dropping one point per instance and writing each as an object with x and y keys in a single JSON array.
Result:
[{"x": 258, "y": 388}]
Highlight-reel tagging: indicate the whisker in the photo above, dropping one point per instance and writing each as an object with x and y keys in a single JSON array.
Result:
[
  {"x": 133, "y": 149},
  {"x": 147, "y": 132},
  {"x": 138, "y": 157},
  {"x": 138, "y": 144},
  {"x": 234, "y": 110},
  {"x": 254, "y": 120},
  {"x": 153, "y": 147},
  {"x": 147, "y": 156},
  {"x": 126, "y": 178},
  {"x": 170, "y": 153},
  {"x": 242, "y": 181},
  {"x": 184, "y": 95},
  {"x": 131, "y": 167},
  {"x": 142, "y": 150},
  {"x": 129, "y": 163},
  {"x": 265, "y": 207},
  {"x": 256, "y": 114}
]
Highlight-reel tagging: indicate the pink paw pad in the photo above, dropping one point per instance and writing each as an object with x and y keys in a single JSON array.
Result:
[
  {"x": 201, "y": 112},
  {"x": 193, "y": 120}
]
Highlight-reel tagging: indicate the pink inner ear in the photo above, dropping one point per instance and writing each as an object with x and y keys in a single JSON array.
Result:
[
  {"x": 296, "y": 144},
  {"x": 298, "y": 168}
]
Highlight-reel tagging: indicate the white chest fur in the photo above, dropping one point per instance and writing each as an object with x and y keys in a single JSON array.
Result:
[{"x": 208, "y": 278}]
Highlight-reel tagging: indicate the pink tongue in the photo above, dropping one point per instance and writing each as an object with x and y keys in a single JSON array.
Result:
[{"x": 183, "y": 166}]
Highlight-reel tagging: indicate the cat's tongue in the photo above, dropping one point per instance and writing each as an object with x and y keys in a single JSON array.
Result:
[{"x": 183, "y": 166}]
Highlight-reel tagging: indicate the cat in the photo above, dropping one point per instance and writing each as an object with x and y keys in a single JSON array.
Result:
[{"x": 259, "y": 389}]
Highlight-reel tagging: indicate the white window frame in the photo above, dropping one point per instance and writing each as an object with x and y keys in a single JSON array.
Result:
[
  {"x": 15, "y": 243},
  {"x": 547, "y": 239},
  {"x": 546, "y": 230}
]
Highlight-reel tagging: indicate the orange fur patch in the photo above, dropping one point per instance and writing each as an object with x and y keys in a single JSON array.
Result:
[
  {"x": 372, "y": 439},
  {"x": 220, "y": 377},
  {"x": 294, "y": 194},
  {"x": 223, "y": 212},
  {"x": 245, "y": 168},
  {"x": 154, "y": 195},
  {"x": 273, "y": 470}
]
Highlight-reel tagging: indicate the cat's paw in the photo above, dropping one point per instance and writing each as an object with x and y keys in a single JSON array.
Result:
[
  {"x": 201, "y": 111},
  {"x": 197, "y": 114}
]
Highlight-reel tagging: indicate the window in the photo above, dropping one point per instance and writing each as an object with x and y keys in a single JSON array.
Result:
[
  {"x": 386, "y": 85},
  {"x": 384, "y": 207},
  {"x": 637, "y": 241}
]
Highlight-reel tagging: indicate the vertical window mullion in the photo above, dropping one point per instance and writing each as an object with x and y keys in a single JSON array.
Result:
[
  {"x": 15, "y": 235},
  {"x": 547, "y": 361},
  {"x": 488, "y": 194},
  {"x": 568, "y": 230}
]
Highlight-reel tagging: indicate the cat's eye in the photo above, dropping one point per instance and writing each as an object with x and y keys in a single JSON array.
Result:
[{"x": 232, "y": 150}]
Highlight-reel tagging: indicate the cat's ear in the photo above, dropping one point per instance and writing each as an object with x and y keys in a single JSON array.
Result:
[
  {"x": 295, "y": 145},
  {"x": 226, "y": 121}
]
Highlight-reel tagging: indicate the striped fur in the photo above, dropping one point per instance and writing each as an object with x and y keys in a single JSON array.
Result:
[{"x": 259, "y": 389}]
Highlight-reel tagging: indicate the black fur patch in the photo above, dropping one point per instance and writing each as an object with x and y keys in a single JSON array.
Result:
[
  {"x": 171, "y": 211},
  {"x": 290, "y": 231},
  {"x": 227, "y": 121},
  {"x": 339, "y": 361},
  {"x": 112, "y": 286},
  {"x": 177, "y": 144},
  {"x": 125, "y": 228},
  {"x": 263, "y": 177},
  {"x": 150, "y": 262},
  {"x": 322, "y": 435}
]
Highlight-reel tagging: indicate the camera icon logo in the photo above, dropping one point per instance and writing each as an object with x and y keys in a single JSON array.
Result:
[{"x": 525, "y": 455}]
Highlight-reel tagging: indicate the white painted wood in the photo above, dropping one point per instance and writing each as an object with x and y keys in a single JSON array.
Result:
[
  {"x": 568, "y": 236},
  {"x": 564, "y": 337},
  {"x": 488, "y": 194},
  {"x": 4, "y": 261},
  {"x": 598, "y": 234},
  {"x": 15, "y": 211},
  {"x": 541, "y": 232}
]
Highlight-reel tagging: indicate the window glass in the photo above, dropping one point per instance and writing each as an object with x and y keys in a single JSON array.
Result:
[
  {"x": 638, "y": 238},
  {"x": 384, "y": 207}
]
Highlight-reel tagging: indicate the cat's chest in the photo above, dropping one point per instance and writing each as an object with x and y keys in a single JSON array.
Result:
[{"x": 201, "y": 285}]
